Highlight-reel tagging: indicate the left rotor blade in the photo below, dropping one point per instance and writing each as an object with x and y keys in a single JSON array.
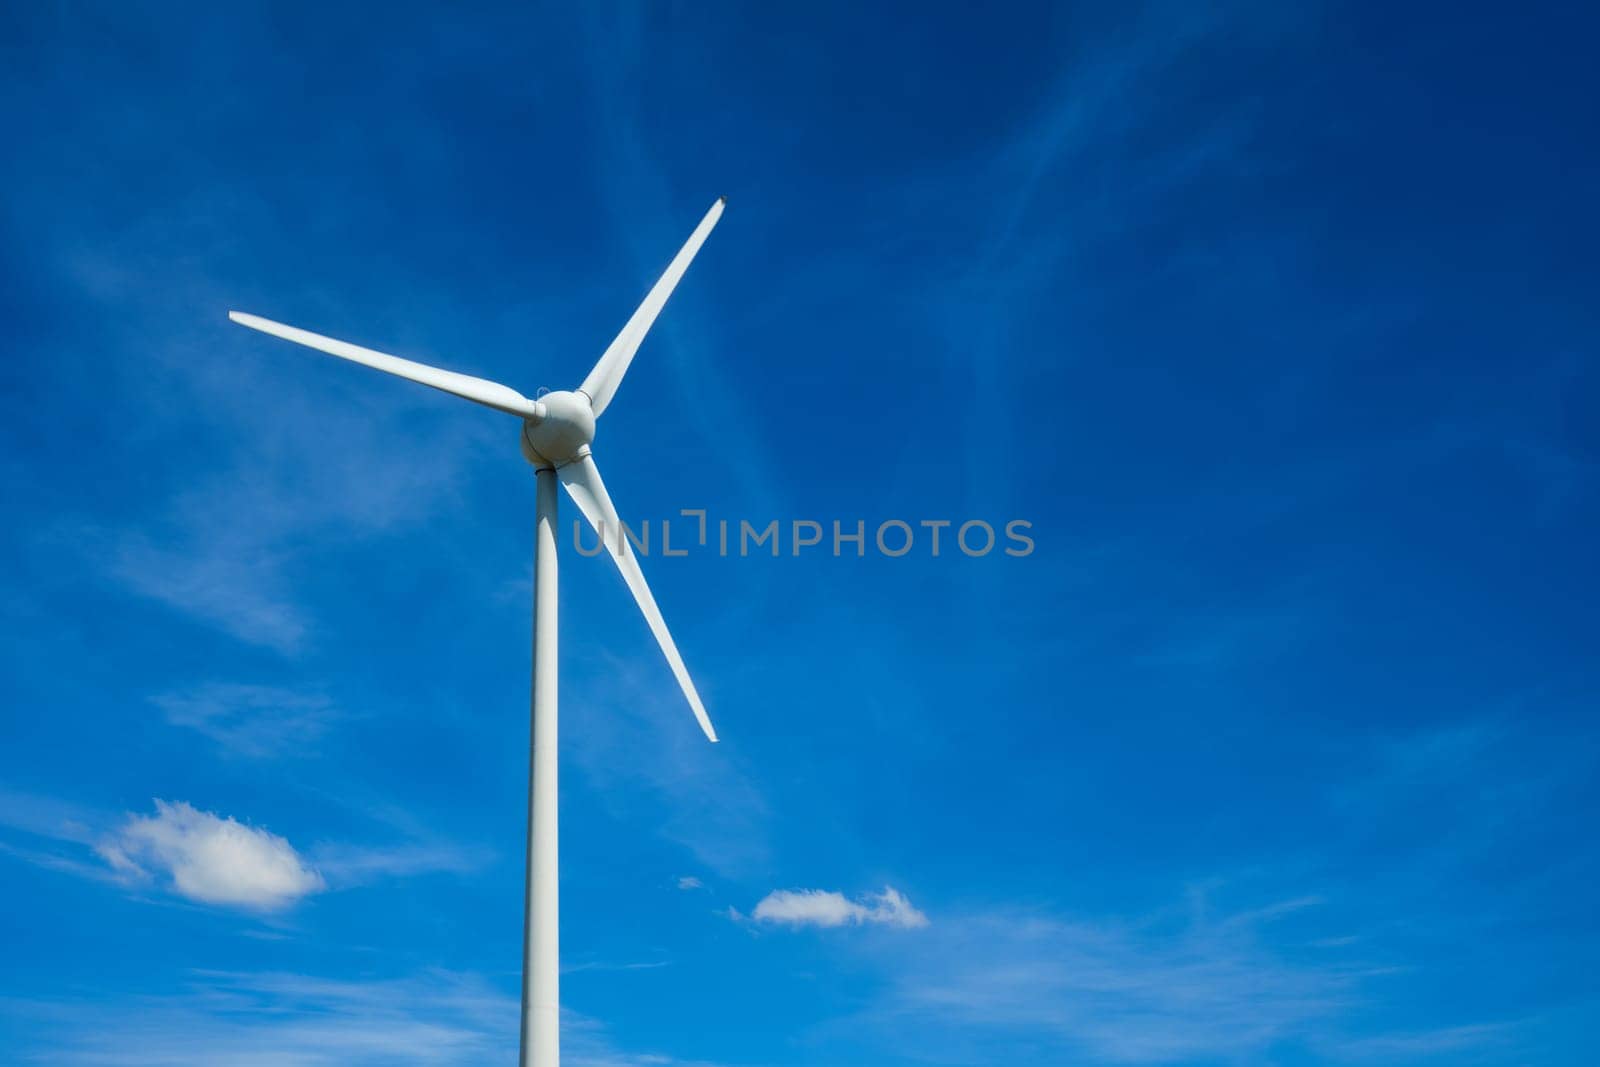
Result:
[
  {"x": 582, "y": 479},
  {"x": 490, "y": 394}
]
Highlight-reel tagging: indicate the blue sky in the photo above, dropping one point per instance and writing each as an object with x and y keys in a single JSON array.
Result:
[{"x": 1275, "y": 321}]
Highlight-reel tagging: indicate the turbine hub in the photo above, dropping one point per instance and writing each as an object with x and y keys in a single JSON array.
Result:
[{"x": 563, "y": 434}]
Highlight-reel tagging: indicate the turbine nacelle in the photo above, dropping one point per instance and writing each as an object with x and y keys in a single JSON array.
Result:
[{"x": 561, "y": 433}]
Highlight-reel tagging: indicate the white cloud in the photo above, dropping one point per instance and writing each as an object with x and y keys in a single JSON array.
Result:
[
  {"x": 821, "y": 907},
  {"x": 689, "y": 881},
  {"x": 210, "y": 859}
]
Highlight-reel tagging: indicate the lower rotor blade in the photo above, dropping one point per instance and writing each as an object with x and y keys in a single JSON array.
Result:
[{"x": 582, "y": 479}]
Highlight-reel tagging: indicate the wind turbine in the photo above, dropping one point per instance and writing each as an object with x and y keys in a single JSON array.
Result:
[{"x": 557, "y": 429}]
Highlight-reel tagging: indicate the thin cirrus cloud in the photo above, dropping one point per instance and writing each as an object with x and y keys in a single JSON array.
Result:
[
  {"x": 1152, "y": 989},
  {"x": 823, "y": 907},
  {"x": 210, "y": 859},
  {"x": 432, "y": 1019},
  {"x": 629, "y": 741},
  {"x": 1190, "y": 984},
  {"x": 255, "y": 721},
  {"x": 295, "y": 468}
]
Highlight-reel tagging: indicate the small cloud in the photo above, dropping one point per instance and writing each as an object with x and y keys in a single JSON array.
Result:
[
  {"x": 689, "y": 881},
  {"x": 821, "y": 907},
  {"x": 210, "y": 859}
]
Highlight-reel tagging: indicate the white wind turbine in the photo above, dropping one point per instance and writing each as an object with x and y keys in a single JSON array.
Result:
[{"x": 557, "y": 429}]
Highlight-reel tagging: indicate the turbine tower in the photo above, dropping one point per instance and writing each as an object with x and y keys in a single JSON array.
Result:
[{"x": 557, "y": 430}]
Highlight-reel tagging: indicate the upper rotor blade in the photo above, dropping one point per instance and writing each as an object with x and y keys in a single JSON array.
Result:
[
  {"x": 491, "y": 394},
  {"x": 602, "y": 382},
  {"x": 582, "y": 479}
]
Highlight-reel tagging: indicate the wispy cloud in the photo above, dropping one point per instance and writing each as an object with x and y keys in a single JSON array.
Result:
[
  {"x": 651, "y": 215},
  {"x": 43, "y": 816},
  {"x": 1112, "y": 992},
  {"x": 286, "y": 1019},
  {"x": 36, "y": 818},
  {"x": 689, "y": 881},
  {"x": 1185, "y": 984},
  {"x": 822, "y": 907},
  {"x": 222, "y": 552},
  {"x": 256, "y": 721},
  {"x": 437, "y": 1018},
  {"x": 210, "y": 859},
  {"x": 635, "y": 739},
  {"x": 351, "y": 865},
  {"x": 1450, "y": 1041},
  {"x": 1116, "y": 991},
  {"x": 598, "y": 965},
  {"x": 290, "y": 466},
  {"x": 215, "y": 576},
  {"x": 1485, "y": 783}
]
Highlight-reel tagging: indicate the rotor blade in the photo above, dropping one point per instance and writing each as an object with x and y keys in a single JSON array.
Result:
[
  {"x": 602, "y": 382},
  {"x": 582, "y": 479},
  {"x": 491, "y": 394}
]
